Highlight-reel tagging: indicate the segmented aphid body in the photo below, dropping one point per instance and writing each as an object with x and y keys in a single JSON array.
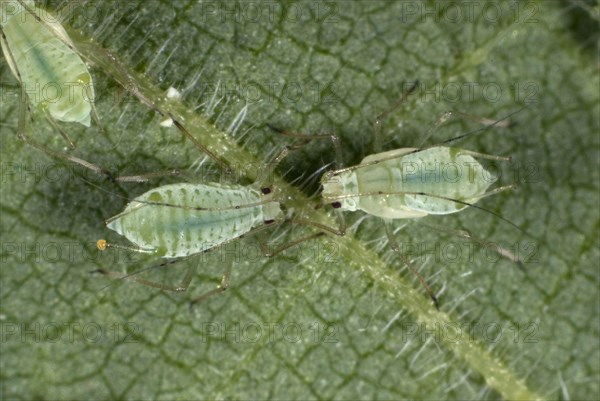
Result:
[
  {"x": 409, "y": 183},
  {"x": 184, "y": 219}
]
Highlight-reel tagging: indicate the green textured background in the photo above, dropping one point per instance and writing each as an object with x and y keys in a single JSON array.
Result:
[{"x": 346, "y": 67}]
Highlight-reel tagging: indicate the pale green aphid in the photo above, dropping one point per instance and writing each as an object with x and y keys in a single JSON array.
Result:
[
  {"x": 46, "y": 63},
  {"x": 42, "y": 57},
  {"x": 410, "y": 183},
  {"x": 184, "y": 220},
  {"x": 180, "y": 220}
]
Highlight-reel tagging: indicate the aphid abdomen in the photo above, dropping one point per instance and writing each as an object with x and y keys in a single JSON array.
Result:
[
  {"x": 53, "y": 75},
  {"x": 182, "y": 229},
  {"x": 441, "y": 174}
]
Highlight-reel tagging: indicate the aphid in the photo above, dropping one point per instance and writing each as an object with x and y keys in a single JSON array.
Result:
[
  {"x": 185, "y": 220},
  {"x": 47, "y": 64},
  {"x": 179, "y": 220},
  {"x": 42, "y": 57},
  {"x": 409, "y": 183}
]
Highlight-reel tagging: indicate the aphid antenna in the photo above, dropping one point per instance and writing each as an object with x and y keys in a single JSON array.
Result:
[
  {"x": 132, "y": 274},
  {"x": 332, "y": 199},
  {"x": 466, "y": 234},
  {"x": 151, "y": 203},
  {"x": 417, "y": 150},
  {"x": 479, "y": 130}
]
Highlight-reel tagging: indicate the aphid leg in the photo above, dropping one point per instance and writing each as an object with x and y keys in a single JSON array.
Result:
[
  {"x": 23, "y": 107},
  {"x": 504, "y": 123},
  {"x": 24, "y": 104},
  {"x": 389, "y": 230},
  {"x": 377, "y": 124},
  {"x": 227, "y": 169},
  {"x": 495, "y": 191},
  {"x": 147, "y": 176},
  {"x": 21, "y": 134},
  {"x": 451, "y": 113},
  {"x": 501, "y": 251},
  {"x": 93, "y": 167},
  {"x": 225, "y": 280},
  {"x": 324, "y": 229},
  {"x": 441, "y": 120},
  {"x": 307, "y": 138},
  {"x": 10, "y": 60},
  {"x": 109, "y": 62},
  {"x": 220, "y": 288},
  {"x": 94, "y": 112},
  {"x": 274, "y": 252},
  {"x": 60, "y": 130},
  {"x": 488, "y": 123},
  {"x": 183, "y": 286},
  {"x": 339, "y": 231},
  {"x": 266, "y": 180},
  {"x": 485, "y": 156}
]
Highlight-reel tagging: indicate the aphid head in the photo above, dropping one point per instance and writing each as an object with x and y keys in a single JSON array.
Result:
[
  {"x": 271, "y": 208},
  {"x": 336, "y": 189},
  {"x": 272, "y": 211}
]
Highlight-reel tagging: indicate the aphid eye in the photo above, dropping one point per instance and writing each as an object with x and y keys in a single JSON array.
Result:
[
  {"x": 266, "y": 191},
  {"x": 336, "y": 205}
]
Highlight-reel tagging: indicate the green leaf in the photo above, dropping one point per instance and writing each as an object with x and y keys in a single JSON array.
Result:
[{"x": 299, "y": 327}]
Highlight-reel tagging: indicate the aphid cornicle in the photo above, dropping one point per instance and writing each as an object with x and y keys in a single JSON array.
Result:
[{"x": 43, "y": 59}]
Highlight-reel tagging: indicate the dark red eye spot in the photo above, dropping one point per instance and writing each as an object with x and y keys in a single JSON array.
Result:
[
  {"x": 266, "y": 191},
  {"x": 336, "y": 205}
]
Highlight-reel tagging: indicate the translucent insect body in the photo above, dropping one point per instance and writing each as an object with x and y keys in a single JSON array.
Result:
[
  {"x": 409, "y": 183},
  {"x": 180, "y": 220}
]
